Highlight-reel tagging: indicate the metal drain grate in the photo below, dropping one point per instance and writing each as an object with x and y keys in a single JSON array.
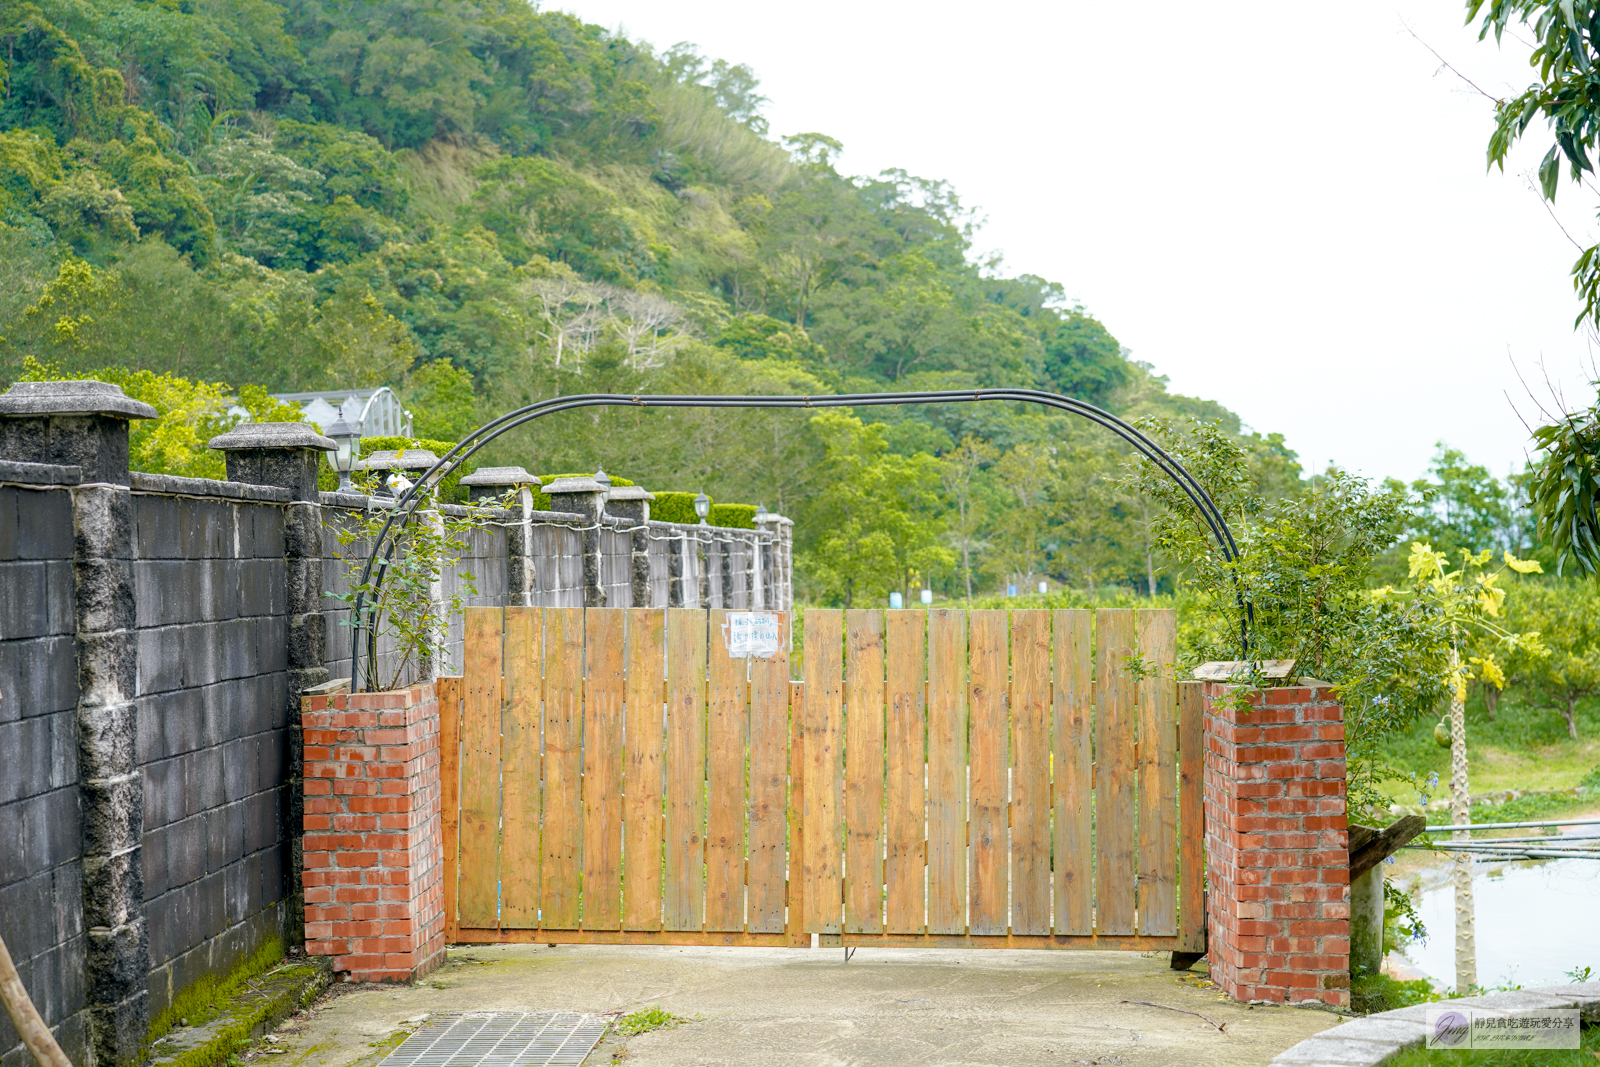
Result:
[{"x": 501, "y": 1039}]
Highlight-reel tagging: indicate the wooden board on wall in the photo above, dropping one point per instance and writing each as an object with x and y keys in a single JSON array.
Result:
[
  {"x": 479, "y": 903},
  {"x": 947, "y": 771},
  {"x": 864, "y": 771},
  {"x": 1030, "y": 771},
  {"x": 988, "y": 842},
  {"x": 906, "y": 817},
  {"x": 727, "y": 734},
  {"x": 1158, "y": 773},
  {"x": 822, "y": 738},
  {"x": 1191, "y": 818},
  {"x": 642, "y": 784},
  {"x": 683, "y": 899},
  {"x": 562, "y": 854},
  {"x": 1116, "y": 722},
  {"x": 604, "y": 644},
  {"x": 451, "y": 692},
  {"x": 522, "y": 767},
  {"x": 769, "y": 769},
  {"x": 1073, "y": 753}
]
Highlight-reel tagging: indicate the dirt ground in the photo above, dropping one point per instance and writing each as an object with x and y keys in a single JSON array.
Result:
[{"x": 755, "y": 1007}]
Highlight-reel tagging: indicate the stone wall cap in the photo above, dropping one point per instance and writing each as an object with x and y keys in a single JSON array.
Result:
[
  {"x": 12, "y": 470},
  {"x": 573, "y": 485},
  {"x": 172, "y": 485},
  {"x": 631, "y": 492},
  {"x": 405, "y": 459},
  {"x": 500, "y": 476},
  {"x": 83, "y": 397},
  {"x": 269, "y": 435}
]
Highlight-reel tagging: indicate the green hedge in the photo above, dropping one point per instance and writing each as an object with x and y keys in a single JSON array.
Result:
[
  {"x": 450, "y": 490},
  {"x": 679, "y": 507},
  {"x": 738, "y": 516},
  {"x": 674, "y": 507}
]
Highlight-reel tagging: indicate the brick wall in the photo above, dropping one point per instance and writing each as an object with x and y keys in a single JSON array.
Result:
[
  {"x": 41, "y": 866},
  {"x": 374, "y": 854},
  {"x": 1278, "y": 871}
]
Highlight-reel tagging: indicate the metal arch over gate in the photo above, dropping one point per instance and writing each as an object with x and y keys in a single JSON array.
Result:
[
  {"x": 940, "y": 778},
  {"x": 410, "y": 501}
]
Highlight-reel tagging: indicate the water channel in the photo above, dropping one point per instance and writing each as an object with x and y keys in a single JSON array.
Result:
[{"x": 1535, "y": 920}]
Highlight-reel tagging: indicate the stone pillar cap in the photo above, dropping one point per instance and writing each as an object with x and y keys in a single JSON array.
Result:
[
  {"x": 253, "y": 435},
  {"x": 584, "y": 484},
  {"x": 631, "y": 492},
  {"x": 500, "y": 476},
  {"x": 406, "y": 459},
  {"x": 83, "y": 397}
]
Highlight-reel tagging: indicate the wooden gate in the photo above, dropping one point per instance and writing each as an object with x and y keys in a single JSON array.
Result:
[{"x": 1025, "y": 779}]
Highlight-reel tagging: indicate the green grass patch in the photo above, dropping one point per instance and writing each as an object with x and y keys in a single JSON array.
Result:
[
  {"x": 1586, "y": 1055},
  {"x": 648, "y": 1019},
  {"x": 203, "y": 1001},
  {"x": 1378, "y": 992},
  {"x": 1523, "y": 748}
]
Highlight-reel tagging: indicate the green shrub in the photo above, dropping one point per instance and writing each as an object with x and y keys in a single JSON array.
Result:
[
  {"x": 674, "y": 507},
  {"x": 737, "y": 516}
]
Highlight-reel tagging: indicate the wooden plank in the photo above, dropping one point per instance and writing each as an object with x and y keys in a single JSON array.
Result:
[
  {"x": 1116, "y": 718},
  {"x": 906, "y": 867},
  {"x": 521, "y": 767},
  {"x": 821, "y": 725},
  {"x": 479, "y": 903},
  {"x": 947, "y": 771},
  {"x": 794, "y": 924},
  {"x": 1158, "y": 772},
  {"x": 604, "y": 644},
  {"x": 663, "y": 938},
  {"x": 727, "y": 735},
  {"x": 562, "y": 854},
  {"x": 683, "y": 901},
  {"x": 863, "y": 771},
  {"x": 1191, "y": 817},
  {"x": 451, "y": 695},
  {"x": 769, "y": 769},
  {"x": 1030, "y": 772},
  {"x": 1131, "y": 943},
  {"x": 1072, "y": 753},
  {"x": 642, "y": 801},
  {"x": 987, "y": 830}
]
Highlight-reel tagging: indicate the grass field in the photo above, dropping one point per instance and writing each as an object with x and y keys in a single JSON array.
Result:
[{"x": 1523, "y": 748}]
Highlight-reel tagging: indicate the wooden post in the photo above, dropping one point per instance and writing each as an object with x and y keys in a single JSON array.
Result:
[
  {"x": 25, "y": 1017},
  {"x": 796, "y": 925}
]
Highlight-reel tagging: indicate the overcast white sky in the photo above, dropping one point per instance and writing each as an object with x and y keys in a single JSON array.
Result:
[{"x": 1280, "y": 206}]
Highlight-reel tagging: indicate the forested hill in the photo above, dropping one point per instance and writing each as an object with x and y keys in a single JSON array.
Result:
[{"x": 483, "y": 203}]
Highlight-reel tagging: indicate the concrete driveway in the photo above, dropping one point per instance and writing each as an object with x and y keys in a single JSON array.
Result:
[{"x": 798, "y": 1008}]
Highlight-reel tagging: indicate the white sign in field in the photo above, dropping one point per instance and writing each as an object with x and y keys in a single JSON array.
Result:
[{"x": 751, "y": 633}]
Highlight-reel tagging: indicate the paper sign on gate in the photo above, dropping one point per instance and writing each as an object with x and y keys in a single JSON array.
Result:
[{"x": 751, "y": 633}]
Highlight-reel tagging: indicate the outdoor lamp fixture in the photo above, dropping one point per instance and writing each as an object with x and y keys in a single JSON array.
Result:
[
  {"x": 702, "y": 508},
  {"x": 761, "y": 515},
  {"x": 605, "y": 484},
  {"x": 347, "y": 438}
]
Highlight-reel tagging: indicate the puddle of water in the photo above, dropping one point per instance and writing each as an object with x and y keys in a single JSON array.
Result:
[{"x": 1535, "y": 922}]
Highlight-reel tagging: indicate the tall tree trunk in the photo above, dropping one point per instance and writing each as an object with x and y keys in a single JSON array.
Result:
[
  {"x": 1571, "y": 717},
  {"x": 1460, "y": 813},
  {"x": 1149, "y": 550}
]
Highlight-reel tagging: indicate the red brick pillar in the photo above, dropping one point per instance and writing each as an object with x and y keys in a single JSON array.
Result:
[
  {"x": 374, "y": 857},
  {"x": 1278, "y": 869}
]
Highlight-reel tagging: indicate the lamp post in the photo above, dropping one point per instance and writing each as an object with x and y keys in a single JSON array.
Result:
[
  {"x": 761, "y": 514},
  {"x": 347, "y": 437},
  {"x": 702, "y": 508}
]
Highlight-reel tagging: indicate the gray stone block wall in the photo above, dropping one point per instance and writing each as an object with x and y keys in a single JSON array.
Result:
[
  {"x": 210, "y": 582},
  {"x": 41, "y": 867}
]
